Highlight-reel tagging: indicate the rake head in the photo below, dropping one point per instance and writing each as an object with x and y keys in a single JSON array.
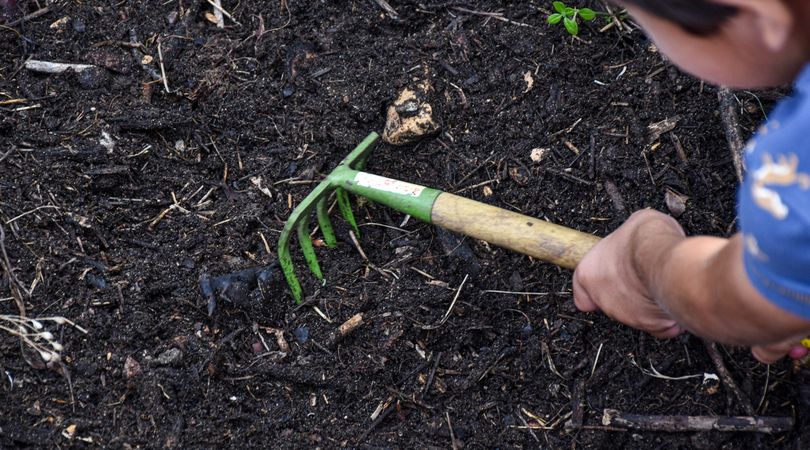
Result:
[{"x": 299, "y": 220}]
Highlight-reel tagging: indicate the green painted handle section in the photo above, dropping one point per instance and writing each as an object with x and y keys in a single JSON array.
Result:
[{"x": 405, "y": 197}]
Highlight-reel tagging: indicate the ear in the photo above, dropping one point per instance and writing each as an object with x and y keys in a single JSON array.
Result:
[{"x": 773, "y": 19}]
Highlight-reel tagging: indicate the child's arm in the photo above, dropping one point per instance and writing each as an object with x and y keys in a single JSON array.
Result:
[{"x": 648, "y": 275}]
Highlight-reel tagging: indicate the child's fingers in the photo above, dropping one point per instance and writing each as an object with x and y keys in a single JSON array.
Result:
[
  {"x": 669, "y": 330},
  {"x": 766, "y": 355},
  {"x": 769, "y": 354},
  {"x": 798, "y": 352}
]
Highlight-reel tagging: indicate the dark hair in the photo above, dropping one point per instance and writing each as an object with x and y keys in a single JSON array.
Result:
[{"x": 699, "y": 17}]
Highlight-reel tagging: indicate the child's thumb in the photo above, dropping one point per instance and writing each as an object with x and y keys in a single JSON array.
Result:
[{"x": 582, "y": 299}]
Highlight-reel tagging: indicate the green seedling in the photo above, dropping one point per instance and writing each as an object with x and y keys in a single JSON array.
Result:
[{"x": 569, "y": 17}]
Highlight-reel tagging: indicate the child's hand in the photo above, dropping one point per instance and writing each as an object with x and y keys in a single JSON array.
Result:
[
  {"x": 607, "y": 279},
  {"x": 769, "y": 354}
]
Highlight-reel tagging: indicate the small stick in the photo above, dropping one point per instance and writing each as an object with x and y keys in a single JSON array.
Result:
[
  {"x": 450, "y": 309},
  {"x": 615, "y": 198},
  {"x": 431, "y": 376},
  {"x": 33, "y": 15},
  {"x": 755, "y": 424},
  {"x": 218, "y": 7},
  {"x": 731, "y": 126},
  {"x": 578, "y": 405},
  {"x": 392, "y": 13},
  {"x": 218, "y": 13},
  {"x": 344, "y": 330},
  {"x": 453, "y": 441},
  {"x": 724, "y": 374},
  {"x": 357, "y": 245},
  {"x": 54, "y": 67},
  {"x": 163, "y": 70}
]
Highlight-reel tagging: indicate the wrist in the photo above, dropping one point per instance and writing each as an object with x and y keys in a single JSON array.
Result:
[{"x": 651, "y": 248}]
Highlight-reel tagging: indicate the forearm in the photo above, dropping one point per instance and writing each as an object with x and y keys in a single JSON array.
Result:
[{"x": 701, "y": 282}]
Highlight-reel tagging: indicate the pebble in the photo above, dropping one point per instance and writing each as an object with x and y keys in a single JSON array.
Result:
[
  {"x": 169, "y": 357},
  {"x": 171, "y": 18},
  {"x": 410, "y": 117},
  {"x": 132, "y": 368},
  {"x": 79, "y": 26},
  {"x": 301, "y": 334},
  {"x": 676, "y": 203}
]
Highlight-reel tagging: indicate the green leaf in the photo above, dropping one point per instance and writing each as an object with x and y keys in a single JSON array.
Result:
[
  {"x": 571, "y": 26},
  {"x": 555, "y": 18},
  {"x": 587, "y": 13},
  {"x": 559, "y": 7},
  {"x": 569, "y": 12}
]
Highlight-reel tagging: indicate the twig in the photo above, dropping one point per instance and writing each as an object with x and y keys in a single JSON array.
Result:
[
  {"x": 724, "y": 374},
  {"x": 35, "y": 65},
  {"x": 344, "y": 330},
  {"x": 431, "y": 376},
  {"x": 578, "y": 405},
  {"x": 218, "y": 12},
  {"x": 615, "y": 198},
  {"x": 494, "y": 15},
  {"x": 731, "y": 126},
  {"x": 495, "y": 291},
  {"x": 33, "y": 15},
  {"x": 392, "y": 13},
  {"x": 163, "y": 70},
  {"x": 453, "y": 442},
  {"x": 380, "y": 417},
  {"x": 450, "y": 309},
  {"x": 756, "y": 424},
  {"x": 19, "y": 216},
  {"x": 14, "y": 283},
  {"x": 218, "y": 7},
  {"x": 357, "y": 245}
]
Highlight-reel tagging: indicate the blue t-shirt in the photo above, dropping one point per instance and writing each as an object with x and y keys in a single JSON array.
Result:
[{"x": 775, "y": 203}]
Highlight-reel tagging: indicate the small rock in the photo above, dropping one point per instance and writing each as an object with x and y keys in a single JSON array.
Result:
[
  {"x": 171, "y": 18},
  {"x": 301, "y": 334},
  {"x": 60, "y": 24},
  {"x": 132, "y": 368},
  {"x": 410, "y": 117},
  {"x": 79, "y": 26},
  {"x": 287, "y": 90},
  {"x": 539, "y": 154},
  {"x": 169, "y": 357},
  {"x": 258, "y": 348},
  {"x": 675, "y": 202},
  {"x": 96, "y": 281}
]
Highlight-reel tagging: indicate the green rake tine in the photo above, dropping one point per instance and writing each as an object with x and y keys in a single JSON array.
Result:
[
  {"x": 346, "y": 209},
  {"x": 287, "y": 267},
  {"x": 323, "y": 220},
  {"x": 306, "y": 246}
]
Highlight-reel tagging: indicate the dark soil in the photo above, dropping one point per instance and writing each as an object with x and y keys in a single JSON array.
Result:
[{"x": 91, "y": 164}]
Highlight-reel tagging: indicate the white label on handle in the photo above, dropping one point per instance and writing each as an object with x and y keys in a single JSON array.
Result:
[{"x": 372, "y": 181}]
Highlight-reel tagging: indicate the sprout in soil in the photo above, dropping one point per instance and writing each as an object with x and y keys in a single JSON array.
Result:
[{"x": 569, "y": 16}]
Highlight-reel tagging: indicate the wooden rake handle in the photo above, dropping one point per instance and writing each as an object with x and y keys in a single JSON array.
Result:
[{"x": 530, "y": 236}]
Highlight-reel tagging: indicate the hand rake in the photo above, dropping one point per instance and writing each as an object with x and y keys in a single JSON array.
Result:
[{"x": 527, "y": 235}]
